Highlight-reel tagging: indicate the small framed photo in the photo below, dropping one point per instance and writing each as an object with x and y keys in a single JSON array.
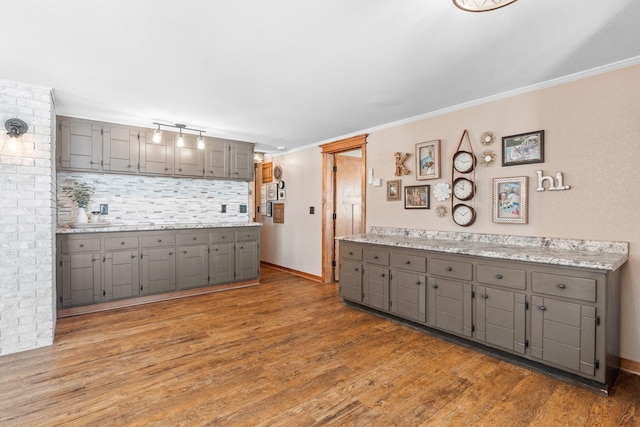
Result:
[
  {"x": 428, "y": 160},
  {"x": 269, "y": 209},
  {"x": 394, "y": 188},
  {"x": 523, "y": 148},
  {"x": 282, "y": 194},
  {"x": 510, "y": 202},
  {"x": 416, "y": 197},
  {"x": 272, "y": 192}
]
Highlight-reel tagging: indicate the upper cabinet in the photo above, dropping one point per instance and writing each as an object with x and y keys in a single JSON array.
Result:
[
  {"x": 228, "y": 159},
  {"x": 84, "y": 145}
]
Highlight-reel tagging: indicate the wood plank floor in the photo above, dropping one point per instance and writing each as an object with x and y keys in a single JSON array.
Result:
[{"x": 285, "y": 353}]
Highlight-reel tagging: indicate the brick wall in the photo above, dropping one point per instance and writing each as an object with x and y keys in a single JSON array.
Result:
[
  {"x": 134, "y": 199},
  {"x": 27, "y": 220}
]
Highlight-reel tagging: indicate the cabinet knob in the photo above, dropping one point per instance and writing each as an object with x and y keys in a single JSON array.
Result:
[
  {"x": 449, "y": 269},
  {"x": 170, "y": 253},
  {"x": 180, "y": 170},
  {"x": 122, "y": 243},
  {"x": 357, "y": 269},
  {"x": 82, "y": 245},
  {"x": 166, "y": 169},
  {"x": 93, "y": 259},
  {"x": 542, "y": 307},
  {"x": 133, "y": 256},
  {"x": 185, "y": 252},
  {"x": 407, "y": 262},
  {"x": 195, "y": 238},
  {"x": 434, "y": 286},
  {"x": 350, "y": 253},
  {"x": 375, "y": 257},
  {"x": 498, "y": 276},
  {"x": 382, "y": 275},
  {"x": 224, "y": 237},
  {"x": 485, "y": 296},
  {"x": 418, "y": 283},
  {"x": 159, "y": 240},
  {"x": 561, "y": 286}
]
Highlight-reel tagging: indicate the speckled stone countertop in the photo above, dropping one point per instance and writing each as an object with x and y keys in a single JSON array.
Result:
[
  {"x": 154, "y": 227},
  {"x": 600, "y": 255}
]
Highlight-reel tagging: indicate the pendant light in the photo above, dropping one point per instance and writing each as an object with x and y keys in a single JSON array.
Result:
[
  {"x": 200, "y": 142},
  {"x": 157, "y": 135},
  {"x": 180, "y": 141}
]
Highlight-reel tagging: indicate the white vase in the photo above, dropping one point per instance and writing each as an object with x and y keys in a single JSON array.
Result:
[{"x": 82, "y": 216}]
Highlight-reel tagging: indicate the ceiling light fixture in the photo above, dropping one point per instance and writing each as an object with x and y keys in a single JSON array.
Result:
[
  {"x": 157, "y": 134},
  {"x": 481, "y": 5}
]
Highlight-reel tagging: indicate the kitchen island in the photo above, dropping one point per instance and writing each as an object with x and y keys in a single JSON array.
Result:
[
  {"x": 100, "y": 268},
  {"x": 551, "y": 302}
]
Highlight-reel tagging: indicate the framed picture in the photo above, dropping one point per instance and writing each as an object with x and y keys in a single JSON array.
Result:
[
  {"x": 416, "y": 197},
  {"x": 272, "y": 192},
  {"x": 510, "y": 203},
  {"x": 282, "y": 194},
  {"x": 269, "y": 209},
  {"x": 278, "y": 213},
  {"x": 428, "y": 160},
  {"x": 394, "y": 188},
  {"x": 522, "y": 149}
]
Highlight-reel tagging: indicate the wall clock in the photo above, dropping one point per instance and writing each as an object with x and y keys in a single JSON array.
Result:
[
  {"x": 464, "y": 161},
  {"x": 463, "y": 189},
  {"x": 463, "y": 215}
]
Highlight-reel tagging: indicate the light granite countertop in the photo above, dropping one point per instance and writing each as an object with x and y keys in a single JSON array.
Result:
[
  {"x": 112, "y": 228},
  {"x": 599, "y": 255}
]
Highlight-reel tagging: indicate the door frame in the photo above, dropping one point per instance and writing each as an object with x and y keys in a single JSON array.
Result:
[{"x": 329, "y": 151}]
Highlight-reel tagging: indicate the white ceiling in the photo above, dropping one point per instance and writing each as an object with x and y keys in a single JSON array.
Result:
[{"x": 297, "y": 72}]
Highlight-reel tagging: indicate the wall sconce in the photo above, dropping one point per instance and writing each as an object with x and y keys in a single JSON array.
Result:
[
  {"x": 16, "y": 128},
  {"x": 157, "y": 134}
]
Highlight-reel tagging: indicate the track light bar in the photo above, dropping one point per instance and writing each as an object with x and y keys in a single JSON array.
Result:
[{"x": 157, "y": 134}]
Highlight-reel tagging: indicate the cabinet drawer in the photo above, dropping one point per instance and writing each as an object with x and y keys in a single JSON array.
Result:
[
  {"x": 564, "y": 286},
  {"x": 410, "y": 262},
  {"x": 373, "y": 256},
  {"x": 70, "y": 246},
  {"x": 501, "y": 276},
  {"x": 159, "y": 240},
  {"x": 351, "y": 252},
  {"x": 125, "y": 242},
  {"x": 222, "y": 236},
  {"x": 198, "y": 238},
  {"x": 248, "y": 234},
  {"x": 452, "y": 269}
]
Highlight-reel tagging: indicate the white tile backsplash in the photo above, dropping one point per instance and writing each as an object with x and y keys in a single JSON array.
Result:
[{"x": 134, "y": 199}]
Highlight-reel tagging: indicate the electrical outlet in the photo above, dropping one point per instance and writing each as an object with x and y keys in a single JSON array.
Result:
[
  {"x": 243, "y": 208},
  {"x": 223, "y": 209},
  {"x": 312, "y": 210},
  {"x": 104, "y": 209}
]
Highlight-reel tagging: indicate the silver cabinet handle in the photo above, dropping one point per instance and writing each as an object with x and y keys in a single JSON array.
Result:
[
  {"x": 434, "y": 286},
  {"x": 485, "y": 296},
  {"x": 561, "y": 286},
  {"x": 159, "y": 240},
  {"x": 449, "y": 269},
  {"x": 498, "y": 276},
  {"x": 82, "y": 245},
  {"x": 542, "y": 307}
]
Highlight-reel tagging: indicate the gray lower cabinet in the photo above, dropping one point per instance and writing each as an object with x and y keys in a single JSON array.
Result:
[
  {"x": 563, "y": 317},
  {"x": 100, "y": 267}
]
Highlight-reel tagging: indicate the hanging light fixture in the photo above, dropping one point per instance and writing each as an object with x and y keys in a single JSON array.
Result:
[
  {"x": 481, "y": 5},
  {"x": 157, "y": 134},
  {"x": 200, "y": 142}
]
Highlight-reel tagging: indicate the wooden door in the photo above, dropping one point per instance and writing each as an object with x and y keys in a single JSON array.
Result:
[{"x": 348, "y": 198}]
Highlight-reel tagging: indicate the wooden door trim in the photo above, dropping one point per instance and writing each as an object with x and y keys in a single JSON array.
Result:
[{"x": 329, "y": 151}]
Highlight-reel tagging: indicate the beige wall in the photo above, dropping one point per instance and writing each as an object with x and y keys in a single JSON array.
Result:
[{"x": 592, "y": 135}]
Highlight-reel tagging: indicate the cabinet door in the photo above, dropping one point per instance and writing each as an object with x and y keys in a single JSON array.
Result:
[
  {"x": 193, "y": 266},
  {"x": 351, "y": 280},
  {"x": 120, "y": 149},
  {"x": 375, "y": 287},
  {"x": 217, "y": 158},
  {"x": 247, "y": 265},
  {"x": 408, "y": 298},
  {"x": 188, "y": 160},
  {"x": 221, "y": 263},
  {"x": 156, "y": 158},
  {"x": 500, "y": 318},
  {"x": 241, "y": 157},
  {"x": 564, "y": 333},
  {"x": 79, "y": 144},
  {"x": 450, "y": 306},
  {"x": 121, "y": 274},
  {"x": 158, "y": 270},
  {"x": 80, "y": 275}
]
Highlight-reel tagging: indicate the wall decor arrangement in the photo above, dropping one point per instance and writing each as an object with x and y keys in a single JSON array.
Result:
[
  {"x": 269, "y": 209},
  {"x": 441, "y": 211},
  {"x": 394, "y": 189},
  {"x": 400, "y": 167},
  {"x": 487, "y": 138},
  {"x": 523, "y": 148},
  {"x": 487, "y": 158},
  {"x": 416, "y": 197},
  {"x": 282, "y": 194},
  {"x": 552, "y": 186},
  {"x": 428, "y": 160},
  {"x": 278, "y": 213},
  {"x": 442, "y": 191},
  {"x": 510, "y": 204},
  {"x": 464, "y": 166}
]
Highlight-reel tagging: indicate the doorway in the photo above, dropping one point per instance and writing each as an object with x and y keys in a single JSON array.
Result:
[{"x": 344, "y": 196}]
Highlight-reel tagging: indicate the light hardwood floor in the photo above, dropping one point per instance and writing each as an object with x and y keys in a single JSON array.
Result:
[{"x": 285, "y": 353}]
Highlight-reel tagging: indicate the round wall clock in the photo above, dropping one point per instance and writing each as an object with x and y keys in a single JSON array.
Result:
[
  {"x": 277, "y": 172},
  {"x": 463, "y": 189},
  {"x": 463, "y": 215},
  {"x": 464, "y": 161}
]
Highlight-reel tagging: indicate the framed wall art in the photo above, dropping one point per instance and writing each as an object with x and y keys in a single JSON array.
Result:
[
  {"x": 428, "y": 160},
  {"x": 510, "y": 204},
  {"x": 272, "y": 192},
  {"x": 416, "y": 197},
  {"x": 394, "y": 188},
  {"x": 523, "y": 148}
]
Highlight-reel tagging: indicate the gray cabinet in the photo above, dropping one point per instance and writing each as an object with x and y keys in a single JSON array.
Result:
[
  {"x": 80, "y": 276},
  {"x": 228, "y": 159},
  {"x": 120, "y": 146},
  {"x": 241, "y": 159},
  {"x": 193, "y": 259},
  {"x": 158, "y": 263},
  {"x": 563, "y": 317},
  {"x": 188, "y": 160},
  {"x": 156, "y": 158},
  {"x": 78, "y": 144}
]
